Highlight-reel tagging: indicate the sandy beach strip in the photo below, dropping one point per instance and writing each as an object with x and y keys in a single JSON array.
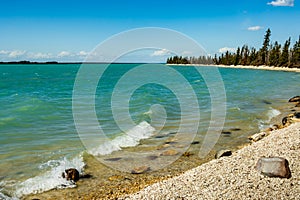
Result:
[
  {"x": 236, "y": 177},
  {"x": 243, "y": 67}
]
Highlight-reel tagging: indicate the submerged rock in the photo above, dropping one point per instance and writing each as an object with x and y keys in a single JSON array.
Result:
[
  {"x": 266, "y": 102},
  {"x": 226, "y": 132},
  {"x": 187, "y": 154},
  {"x": 274, "y": 167},
  {"x": 112, "y": 159},
  {"x": 295, "y": 99},
  {"x": 223, "y": 153},
  {"x": 235, "y": 129},
  {"x": 71, "y": 174},
  {"x": 171, "y": 152},
  {"x": 116, "y": 178},
  {"x": 195, "y": 142},
  {"x": 152, "y": 157},
  {"x": 140, "y": 170}
]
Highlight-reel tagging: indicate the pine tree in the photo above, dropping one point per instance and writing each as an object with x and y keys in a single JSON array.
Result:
[
  {"x": 237, "y": 56},
  {"x": 275, "y": 54},
  {"x": 295, "y": 60},
  {"x": 265, "y": 48},
  {"x": 284, "y": 57}
]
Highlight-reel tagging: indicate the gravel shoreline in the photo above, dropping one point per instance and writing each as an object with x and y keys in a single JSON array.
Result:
[{"x": 235, "y": 177}]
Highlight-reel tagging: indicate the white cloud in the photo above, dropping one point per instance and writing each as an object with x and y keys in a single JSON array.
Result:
[
  {"x": 39, "y": 55},
  {"x": 161, "y": 52},
  {"x": 64, "y": 54},
  {"x": 254, "y": 28},
  {"x": 83, "y": 53},
  {"x": 225, "y": 49},
  {"x": 16, "y": 53},
  {"x": 186, "y": 53},
  {"x": 12, "y": 55},
  {"x": 282, "y": 3},
  {"x": 3, "y": 52}
]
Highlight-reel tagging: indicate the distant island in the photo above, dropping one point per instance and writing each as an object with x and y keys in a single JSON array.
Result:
[
  {"x": 270, "y": 54},
  {"x": 29, "y": 62}
]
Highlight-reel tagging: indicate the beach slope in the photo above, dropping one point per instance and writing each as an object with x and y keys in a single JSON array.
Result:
[{"x": 236, "y": 177}]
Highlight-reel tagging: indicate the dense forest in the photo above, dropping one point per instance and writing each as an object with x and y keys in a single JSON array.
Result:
[{"x": 270, "y": 54}]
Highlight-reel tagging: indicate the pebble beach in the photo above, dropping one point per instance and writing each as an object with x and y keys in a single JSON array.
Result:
[{"x": 236, "y": 177}]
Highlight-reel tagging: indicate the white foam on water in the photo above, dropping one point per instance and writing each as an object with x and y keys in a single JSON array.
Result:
[
  {"x": 4, "y": 197},
  {"x": 129, "y": 139},
  {"x": 51, "y": 179},
  {"x": 272, "y": 112}
]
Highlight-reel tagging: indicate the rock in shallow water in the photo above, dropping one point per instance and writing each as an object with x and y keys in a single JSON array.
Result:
[
  {"x": 274, "y": 167},
  {"x": 71, "y": 174},
  {"x": 295, "y": 99},
  {"x": 223, "y": 153},
  {"x": 171, "y": 152},
  {"x": 140, "y": 170}
]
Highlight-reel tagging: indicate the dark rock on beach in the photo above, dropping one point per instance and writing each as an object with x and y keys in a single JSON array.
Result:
[
  {"x": 274, "y": 167},
  {"x": 223, "y": 153},
  {"x": 71, "y": 174},
  {"x": 257, "y": 136},
  {"x": 295, "y": 99}
]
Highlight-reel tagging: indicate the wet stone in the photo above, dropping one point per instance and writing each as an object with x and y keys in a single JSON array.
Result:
[
  {"x": 170, "y": 152},
  {"x": 267, "y": 102},
  {"x": 116, "y": 178},
  {"x": 295, "y": 99},
  {"x": 187, "y": 154},
  {"x": 226, "y": 132},
  {"x": 140, "y": 170},
  {"x": 71, "y": 174},
  {"x": 112, "y": 159},
  {"x": 152, "y": 157},
  {"x": 195, "y": 142},
  {"x": 235, "y": 129},
  {"x": 170, "y": 142},
  {"x": 223, "y": 153},
  {"x": 160, "y": 136}
]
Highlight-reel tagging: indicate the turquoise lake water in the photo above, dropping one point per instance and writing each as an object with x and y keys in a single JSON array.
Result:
[{"x": 38, "y": 136}]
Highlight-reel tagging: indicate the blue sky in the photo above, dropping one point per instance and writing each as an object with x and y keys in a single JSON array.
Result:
[{"x": 68, "y": 30}]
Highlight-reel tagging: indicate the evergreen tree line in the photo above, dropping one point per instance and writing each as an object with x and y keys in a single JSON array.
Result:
[
  {"x": 207, "y": 60},
  {"x": 270, "y": 54}
]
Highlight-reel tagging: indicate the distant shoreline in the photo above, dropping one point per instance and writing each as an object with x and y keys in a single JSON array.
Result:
[
  {"x": 262, "y": 67},
  {"x": 59, "y": 63}
]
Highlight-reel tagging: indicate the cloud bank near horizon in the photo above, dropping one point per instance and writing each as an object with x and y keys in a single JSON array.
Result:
[{"x": 13, "y": 55}]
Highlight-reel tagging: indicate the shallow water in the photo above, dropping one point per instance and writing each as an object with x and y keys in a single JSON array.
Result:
[{"x": 38, "y": 136}]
